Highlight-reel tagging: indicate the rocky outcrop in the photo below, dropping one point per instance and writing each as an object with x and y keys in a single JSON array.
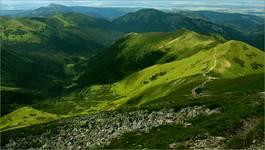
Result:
[{"x": 95, "y": 131}]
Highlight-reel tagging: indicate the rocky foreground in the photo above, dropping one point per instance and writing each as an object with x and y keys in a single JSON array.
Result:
[{"x": 96, "y": 131}]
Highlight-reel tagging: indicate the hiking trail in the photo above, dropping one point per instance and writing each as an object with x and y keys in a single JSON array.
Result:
[{"x": 194, "y": 91}]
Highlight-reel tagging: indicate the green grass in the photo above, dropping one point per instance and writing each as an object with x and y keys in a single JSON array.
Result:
[
  {"x": 241, "y": 104},
  {"x": 141, "y": 50},
  {"x": 249, "y": 83},
  {"x": 139, "y": 83},
  {"x": 160, "y": 80},
  {"x": 24, "y": 117},
  {"x": 158, "y": 84}
]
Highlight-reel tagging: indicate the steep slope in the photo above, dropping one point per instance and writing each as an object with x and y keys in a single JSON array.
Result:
[
  {"x": 138, "y": 51},
  {"x": 229, "y": 60},
  {"x": 150, "y": 20}
]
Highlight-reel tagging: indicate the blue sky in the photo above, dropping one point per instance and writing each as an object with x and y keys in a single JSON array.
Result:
[{"x": 226, "y": 5}]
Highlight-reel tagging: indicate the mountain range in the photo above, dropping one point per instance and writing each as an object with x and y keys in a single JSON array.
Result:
[
  {"x": 247, "y": 28},
  {"x": 98, "y": 12},
  {"x": 72, "y": 80}
]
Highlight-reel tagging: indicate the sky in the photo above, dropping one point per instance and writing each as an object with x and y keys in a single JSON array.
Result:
[{"x": 225, "y": 5}]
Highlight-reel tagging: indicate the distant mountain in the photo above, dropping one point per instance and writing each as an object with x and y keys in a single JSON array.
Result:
[
  {"x": 232, "y": 26},
  {"x": 242, "y": 22},
  {"x": 70, "y": 33},
  {"x": 151, "y": 20},
  {"x": 105, "y": 13},
  {"x": 45, "y": 11},
  {"x": 98, "y": 12}
]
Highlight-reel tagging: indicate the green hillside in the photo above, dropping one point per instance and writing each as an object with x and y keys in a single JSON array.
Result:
[
  {"x": 229, "y": 60},
  {"x": 140, "y": 50},
  {"x": 232, "y": 59},
  {"x": 169, "y": 86}
]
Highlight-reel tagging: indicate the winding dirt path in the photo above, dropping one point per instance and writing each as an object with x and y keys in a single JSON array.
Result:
[{"x": 194, "y": 92}]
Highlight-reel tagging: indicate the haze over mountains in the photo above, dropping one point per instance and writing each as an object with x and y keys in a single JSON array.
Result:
[{"x": 84, "y": 78}]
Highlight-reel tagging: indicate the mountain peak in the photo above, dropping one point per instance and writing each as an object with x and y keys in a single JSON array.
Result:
[{"x": 53, "y": 5}]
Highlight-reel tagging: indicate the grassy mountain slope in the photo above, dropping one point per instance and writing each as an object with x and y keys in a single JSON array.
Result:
[
  {"x": 229, "y": 60},
  {"x": 142, "y": 71},
  {"x": 237, "y": 114},
  {"x": 219, "y": 65},
  {"x": 239, "y": 103},
  {"x": 141, "y": 50},
  {"x": 219, "y": 94},
  {"x": 25, "y": 116}
]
